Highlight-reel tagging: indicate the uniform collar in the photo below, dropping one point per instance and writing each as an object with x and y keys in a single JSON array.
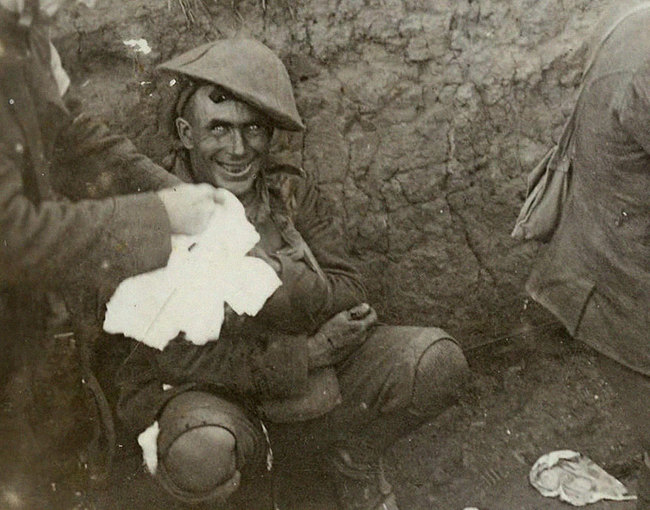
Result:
[{"x": 20, "y": 43}]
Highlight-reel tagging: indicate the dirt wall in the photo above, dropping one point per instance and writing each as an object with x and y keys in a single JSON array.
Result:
[{"x": 423, "y": 118}]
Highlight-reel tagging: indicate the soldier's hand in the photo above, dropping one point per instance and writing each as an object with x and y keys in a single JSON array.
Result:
[
  {"x": 340, "y": 336},
  {"x": 345, "y": 327},
  {"x": 190, "y": 206}
]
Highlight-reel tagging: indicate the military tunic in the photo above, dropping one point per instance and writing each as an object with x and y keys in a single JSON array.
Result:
[
  {"x": 263, "y": 357},
  {"x": 594, "y": 275}
]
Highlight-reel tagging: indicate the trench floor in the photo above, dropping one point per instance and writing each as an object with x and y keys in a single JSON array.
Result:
[{"x": 529, "y": 396}]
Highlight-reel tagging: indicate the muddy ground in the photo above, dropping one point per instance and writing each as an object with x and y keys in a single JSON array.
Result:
[{"x": 532, "y": 393}]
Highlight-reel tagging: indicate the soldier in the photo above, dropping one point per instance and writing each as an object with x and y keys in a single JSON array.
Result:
[
  {"x": 313, "y": 366},
  {"x": 594, "y": 275},
  {"x": 71, "y": 227}
]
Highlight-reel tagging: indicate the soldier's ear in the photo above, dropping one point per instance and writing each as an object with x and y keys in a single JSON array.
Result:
[{"x": 184, "y": 130}]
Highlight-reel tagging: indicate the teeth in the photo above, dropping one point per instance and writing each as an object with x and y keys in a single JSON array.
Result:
[{"x": 240, "y": 172}]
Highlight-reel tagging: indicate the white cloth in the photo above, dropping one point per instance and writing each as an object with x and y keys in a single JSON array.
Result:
[
  {"x": 148, "y": 441},
  {"x": 61, "y": 77},
  {"x": 188, "y": 294}
]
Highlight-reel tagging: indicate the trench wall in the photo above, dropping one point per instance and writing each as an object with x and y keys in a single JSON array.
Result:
[{"x": 423, "y": 118}]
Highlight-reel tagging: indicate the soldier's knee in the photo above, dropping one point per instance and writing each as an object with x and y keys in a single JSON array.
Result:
[
  {"x": 440, "y": 377},
  {"x": 201, "y": 459},
  {"x": 204, "y": 443}
]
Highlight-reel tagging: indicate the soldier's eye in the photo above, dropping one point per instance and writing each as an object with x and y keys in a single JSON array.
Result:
[
  {"x": 217, "y": 97},
  {"x": 254, "y": 127}
]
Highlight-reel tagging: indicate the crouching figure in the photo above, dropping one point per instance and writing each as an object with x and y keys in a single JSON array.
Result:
[{"x": 313, "y": 371}]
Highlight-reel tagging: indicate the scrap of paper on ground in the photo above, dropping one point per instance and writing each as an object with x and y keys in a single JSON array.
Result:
[{"x": 575, "y": 479}]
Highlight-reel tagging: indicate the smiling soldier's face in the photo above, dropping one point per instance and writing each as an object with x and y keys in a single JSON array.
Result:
[{"x": 228, "y": 140}]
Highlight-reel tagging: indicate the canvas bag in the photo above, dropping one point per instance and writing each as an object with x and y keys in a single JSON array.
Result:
[
  {"x": 548, "y": 184},
  {"x": 548, "y": 188}
]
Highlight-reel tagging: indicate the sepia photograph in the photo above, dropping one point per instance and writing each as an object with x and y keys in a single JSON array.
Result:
[{"x": 324, "y": 254}]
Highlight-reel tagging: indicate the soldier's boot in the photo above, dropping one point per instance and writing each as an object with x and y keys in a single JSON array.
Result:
[{"x": 359, "y": 485}]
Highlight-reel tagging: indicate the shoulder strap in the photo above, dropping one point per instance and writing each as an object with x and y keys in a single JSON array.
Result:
[
  {"x": 560, "y": 160},
  {"x": 631, "y": 11}
]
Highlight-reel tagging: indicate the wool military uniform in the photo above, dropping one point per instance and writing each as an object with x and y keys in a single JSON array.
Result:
[
  {"x": 61, "y": 240},
  {"x": 594, "y": 275},
  {"x": 258, "y": 371}
]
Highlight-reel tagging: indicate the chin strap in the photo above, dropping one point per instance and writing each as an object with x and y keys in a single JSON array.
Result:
[{"x": 29, "y": 14}]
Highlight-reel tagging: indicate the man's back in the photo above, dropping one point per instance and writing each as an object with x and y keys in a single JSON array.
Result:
[{"x": 598, "y": 259}]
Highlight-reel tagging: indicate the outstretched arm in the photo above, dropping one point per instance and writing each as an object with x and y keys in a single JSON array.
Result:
[{"x": 93, "y": 163}]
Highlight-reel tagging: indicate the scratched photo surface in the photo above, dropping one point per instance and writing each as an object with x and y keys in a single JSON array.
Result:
[{"x": 422, "y": 120}]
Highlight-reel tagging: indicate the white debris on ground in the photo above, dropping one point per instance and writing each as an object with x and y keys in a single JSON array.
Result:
[
  {"x": 138, "y": 45},
  {"x": 575, "y": 479},
  {"x": 148, "y": 441},
  {"x": 203, "y": 273}
]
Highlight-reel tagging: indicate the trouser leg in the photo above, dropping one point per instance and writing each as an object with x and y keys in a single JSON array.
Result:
[
  {"x": 206, "y": 446},
  {"x": 633, "y": 391},
  {"x": 398, "y": 379},
  {"x": 401, "y": 377}
]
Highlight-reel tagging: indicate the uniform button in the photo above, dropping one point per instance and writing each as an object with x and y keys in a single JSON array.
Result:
[{"x": 12, "y": 102}]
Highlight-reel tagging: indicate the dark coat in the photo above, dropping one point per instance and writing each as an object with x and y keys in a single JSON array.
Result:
[
  {"x": 45, "y": 238},
  {"x": 61, "y": 237},
  {"x": 595, "y": 273},
  {"x": 262, "y": 357}
]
